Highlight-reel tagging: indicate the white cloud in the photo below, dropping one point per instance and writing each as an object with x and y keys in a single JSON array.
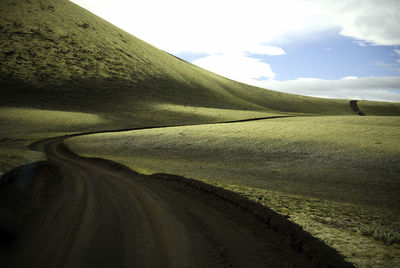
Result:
[
  {"x": 237, "y": 67},
  {"x": 362, "y": 43},
  {"x": 266, "y": 50},
  {"x": 397, "y": 51},
  {"x": 372, "y": 21},
  {"x": 306, "y": 79},
  {"x": 370, "y": 88},
  {"x": 210, "y": 26},
  {"x": 229, "y": 26},
  {"x": 254, "y": 72}
]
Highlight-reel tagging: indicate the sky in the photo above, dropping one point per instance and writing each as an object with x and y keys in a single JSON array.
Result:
[{"x": 337, "y": 49}]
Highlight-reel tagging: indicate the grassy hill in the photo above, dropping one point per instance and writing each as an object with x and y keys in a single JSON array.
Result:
[{"x": 58, "y": 56}]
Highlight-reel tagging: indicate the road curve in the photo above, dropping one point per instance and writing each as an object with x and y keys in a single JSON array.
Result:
[
  {"x": 103, "y": 215},
  {"x": 354, "y": 107}
]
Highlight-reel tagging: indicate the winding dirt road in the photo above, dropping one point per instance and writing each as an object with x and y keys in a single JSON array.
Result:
[
  {"x": 104, "y": 215},
  {"x": 354, "y": 107}
]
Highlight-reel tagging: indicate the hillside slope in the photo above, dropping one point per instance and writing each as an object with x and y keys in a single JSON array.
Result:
[{"x": 56, "y": 55}]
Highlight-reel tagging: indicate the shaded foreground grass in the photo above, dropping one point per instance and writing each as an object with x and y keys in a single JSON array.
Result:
[{"x": 332, "y": 175}]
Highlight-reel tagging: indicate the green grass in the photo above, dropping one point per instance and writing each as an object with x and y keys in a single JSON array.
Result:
[
  {"x": 13, "y": 154},
  {"x": 358, "y": 157},
  {"x": 22, "y": 126},
  {"x": 332, "y": 175},
  {"x": 381, "y": 233},
  {"x": 36, "y": 119},
  {"x": 379, "y": 108}
]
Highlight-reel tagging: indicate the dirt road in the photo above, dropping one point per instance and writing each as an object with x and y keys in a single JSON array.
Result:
[{"x": 103, "y": 215}]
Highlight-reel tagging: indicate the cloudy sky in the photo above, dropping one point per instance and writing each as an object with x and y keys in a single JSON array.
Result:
[{"x": 338, "y": 49}]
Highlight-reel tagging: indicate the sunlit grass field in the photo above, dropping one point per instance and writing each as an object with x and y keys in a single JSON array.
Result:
[
  {"x": 336, "y": 176},
  {"x": 22, "y": 126}
]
